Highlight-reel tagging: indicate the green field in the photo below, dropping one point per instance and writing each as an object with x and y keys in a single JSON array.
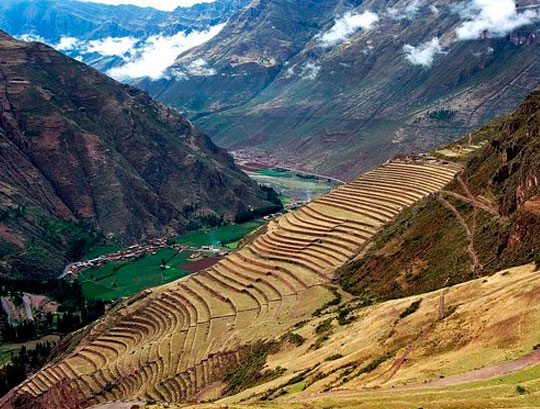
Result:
[
  {"x": 115, "y": 280},
  {"x": 226, "y": 236},
  {"x": 276, "y": 173},
  {"x": 101, "y": 250}
]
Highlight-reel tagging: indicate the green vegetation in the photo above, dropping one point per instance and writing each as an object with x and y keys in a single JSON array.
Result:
[
  {"x": 77, "y": 238},
  {"x": 411, "y": 309},
  {"x": 101, "y": 250},
  {"x": 250, "y": 371},
  {"x": 22, "y": 364},
  {"x": 442, "y": 114},
  {"x": 294, "y": 186},
  {"x": 293, "y": 338},
  {"x": 521, "y": 390},
  {"x": 224, "y": 236},
  {"x": 116, "y": 280}
]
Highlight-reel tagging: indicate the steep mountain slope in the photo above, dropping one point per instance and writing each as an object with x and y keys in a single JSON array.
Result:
[
  {"x": 172, "y": 343},
  {"x": 88, "y": 30},
  {"x": 291, "y": 79},
  {"x": 485, "y": 220},
  {"x": 80, "y": 148}
]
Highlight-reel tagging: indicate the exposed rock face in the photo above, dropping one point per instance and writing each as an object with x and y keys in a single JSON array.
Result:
[
  {"x": 79, "y": 146},
  {"x": 346, "y": 108}
]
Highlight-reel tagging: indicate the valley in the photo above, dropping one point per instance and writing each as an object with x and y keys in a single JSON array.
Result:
[
  {"x": 278, "y": 279},
  {"x": 123, "y": 273},
  {"x": 269, "y": 204}
]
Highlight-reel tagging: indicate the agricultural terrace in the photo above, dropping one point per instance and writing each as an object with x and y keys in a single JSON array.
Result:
[{"x": 167, "y": 344}]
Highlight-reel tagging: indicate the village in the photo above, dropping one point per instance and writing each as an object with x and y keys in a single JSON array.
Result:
[{"x": 137, "y": 251}]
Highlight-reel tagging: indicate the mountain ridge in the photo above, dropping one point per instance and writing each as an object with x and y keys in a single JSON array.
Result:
[{"x": 83, "y": 148}]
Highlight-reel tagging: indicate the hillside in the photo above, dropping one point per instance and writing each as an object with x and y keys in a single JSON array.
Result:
[
  {"x": 340, "y": 86},
  {"x": 471, "y": 358},
  {"x": 172, "y": 343},
  {"x": 485, "y": 220},
  {"x": 85, "y": 157}
]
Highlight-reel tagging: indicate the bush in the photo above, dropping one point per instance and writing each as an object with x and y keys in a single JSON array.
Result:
[
  {"x": 294, "y": 338},
  {"x": 521, "y": 390},
  {"x": 324, "y": 326},
  {"x": 411, "y": 309}
]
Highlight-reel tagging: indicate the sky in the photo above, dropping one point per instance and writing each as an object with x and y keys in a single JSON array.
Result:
[{"x": 166, "y": 5}]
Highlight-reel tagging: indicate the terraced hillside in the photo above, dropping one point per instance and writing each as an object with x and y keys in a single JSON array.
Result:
[
  {"x": 480, "y": 354},
  {"x": 170, "y": 343}
]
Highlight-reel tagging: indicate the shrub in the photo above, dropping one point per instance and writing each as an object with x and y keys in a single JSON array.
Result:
[
  {"x": 411, "y": 309},
  {"x": 521, "y": 390},
  {"x": 324, "y": 326},
  {"x": 333, "y": 357},
  {"x": 294, "y": 338}
]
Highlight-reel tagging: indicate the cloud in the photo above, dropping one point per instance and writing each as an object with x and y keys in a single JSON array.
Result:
[
  {"x": 154, "y": 56},
  {"x": 346, "y": 26},
  {"x": 196, "y": 68},
  {"x": 67, "y": 44},
  {"x": 310, "y": 71},
  {"x": 29, "y": 37},
  {"x": 111, "y": 46},
  {"x": 424, "y": 54},
  {"x": 165, "y": 5},
  {"x": 409, "y": 12},
  {"x": 496, "y": 17},
  {"x": 107, "y": 47}
]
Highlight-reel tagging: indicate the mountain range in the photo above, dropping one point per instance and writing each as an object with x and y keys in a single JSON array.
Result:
[
  {"x": 107, "y": 36},
  {"x": 82, "y": 152},
  {"x": 335, "y": 87},
  {"x": 341, "y": 86}
]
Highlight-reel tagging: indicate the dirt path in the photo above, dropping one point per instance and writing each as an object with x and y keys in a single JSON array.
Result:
[
  {"x": 489, "y": 207},
  {"x": 473, "y": 376},
  {"x": 477, "y": 266}
]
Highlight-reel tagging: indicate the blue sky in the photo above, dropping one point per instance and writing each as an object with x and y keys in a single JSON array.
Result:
[{"x": 167, "y": 5}]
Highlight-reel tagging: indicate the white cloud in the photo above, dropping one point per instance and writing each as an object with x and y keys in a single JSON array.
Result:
[
  {"x": 200, "y": 68},
  {"x": 424, "y": 54},
  {"x": 346, "y": 26},
  {"x": 67, "y": 44},
  {"x": 111, "y": 46},
  {"x": 408, "y": 12},
  {"x": 310, "y": 71},
  {"x": 32, "y": 38},
  {"x": 165, "y": 5},
  {"x": 153, "y": 57},
  {"x": 497, "y": 17},
  {"x": 196, "y": 68}
]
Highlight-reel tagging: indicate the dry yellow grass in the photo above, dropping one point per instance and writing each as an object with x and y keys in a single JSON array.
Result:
[
  {"x": 177, "y": 340},
  {"x": 497, "y": 320}
]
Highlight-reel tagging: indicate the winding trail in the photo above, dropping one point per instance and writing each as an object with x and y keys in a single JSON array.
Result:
[{"x": 477, "y": 267}]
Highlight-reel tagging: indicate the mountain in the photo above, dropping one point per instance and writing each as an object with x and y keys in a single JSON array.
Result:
[
  {"x": 81, "y": 152},
  {"x": 271, "y": 322},
  {"x": 105, "y": 36},
  {"x": 486, "y": 220},
  {"x": 340, "y": 86}
]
